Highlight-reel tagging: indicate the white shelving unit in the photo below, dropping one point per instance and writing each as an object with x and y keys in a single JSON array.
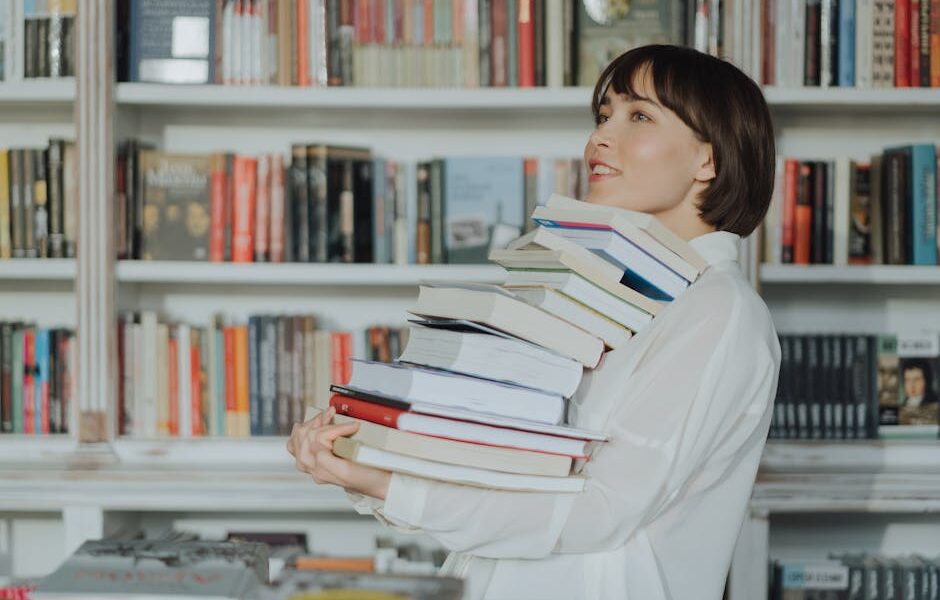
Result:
[{"x": 826, "y": 275}]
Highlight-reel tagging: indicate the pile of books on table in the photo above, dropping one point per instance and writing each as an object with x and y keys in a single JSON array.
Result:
[{"x": 480, "y": 393}]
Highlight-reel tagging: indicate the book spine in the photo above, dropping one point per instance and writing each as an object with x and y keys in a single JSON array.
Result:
[
  {"x": 803, "y": 216},
  {"x": 196, "y": 388},
  {"x": 245, "y": 183},
  {"x": 924, "y": 43},
  {"x": 423, "y": 240},
  {"x": 173, "y": 381},
  {"x": 6, "y": 210},
  {"x": 276, "y": 235},
  {"x": 217, "y": 208},
  {"x": 269, "y": 374},
  {"x": 231, "y": 403},
  {"x": 228, "y": 208},
  {"x": 242, "y": 408},
  {"x": 438, "y": 221},
  {"x": 815, "y": 385},
  {"x": 846, "y": 43},
  {"x": 923, "y": 178},
  {"x": 915, "y": 43},
  {"x": 321, "y": 182},
  {"x": 29, "y": 370},
  {"x": 296, "y": 325},
  {"x": 538, "y": 42},
  {"x": 819, "y": 226},
  {"x": 358, "y": 409},
  {"x": 365, "y": 221},
  {"x": 499, "y": 51},
  {"x": 902, "y": 43},
  {"x": 263, "y": 209},
  {"x": 6, "y": 377},
  {"x": 28, "y": 198},
  {"x": 301, "y": 41},
  {"x": 254, "y": 376},
  {"x": 310, "y": 358},
  {"x": 934, "y": 35},
  {"x": 848, "y": 388},
  {"x": 55, "y": 191},
  {"x": 825, "y": 399},
  {"x": 17, "y": 376},
  {"x": 42, "y": 381},
  {"x": 18, "y": 219},
  {"x": 485, "y": 33},
  {"x": 894, "y": 199},
  {"x": 812, "y": 48},
  {"x": 285, "y": 340}
]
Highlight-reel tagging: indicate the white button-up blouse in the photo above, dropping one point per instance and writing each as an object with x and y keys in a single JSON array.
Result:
[{"x": 687, "y": 405}]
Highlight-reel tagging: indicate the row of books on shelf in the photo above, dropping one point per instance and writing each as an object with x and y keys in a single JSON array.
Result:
[
  {"x": 861, "y": 43},
  {"x": 246, "y": 565},
  {"x": 37, "y": 378},
  {"x": 491, "y": 369},
  {"x": 327, "y": 204},
  {"x": 37, "y": 39},
  {"x": 427, "y": 43},
  {"x": 858, "y": 576},
  {"x": 858, "y": 386},
  {"x": 39, "y": 201},
  {"x": 229, "y": 379},
  {"x": 847, "y": 212}
]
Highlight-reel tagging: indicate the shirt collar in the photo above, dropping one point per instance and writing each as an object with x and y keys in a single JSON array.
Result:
[{"x": 717, "y": 246}]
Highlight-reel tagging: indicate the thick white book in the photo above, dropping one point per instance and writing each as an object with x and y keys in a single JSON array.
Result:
[
  {"x": 581, "y": 315},
  {"x": 471, "y": 349},
  {"x": 541, "y": 249},
  {"x": 496, "y": 308},
  {"x": 416, "y": 384},
  {"x": 580, "y": 289},
  {"x": 454, "y": 452},
  {"x": 391, "y": 461}
]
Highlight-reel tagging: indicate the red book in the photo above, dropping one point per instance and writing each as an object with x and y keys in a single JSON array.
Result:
[
  {"x": 791, "y": 183},
  {"x": 359, "y": 409},
  {"x": 499, "y": 53},
  {"x": 217, "y": 208},
  {"x": 526, "y": 44},
  {"x": 378, "y": 32},
  {"x": 399, "y": 21},
  {"x": 195, "y": 383},
  {"x": 915, "y": 42},
  {"x": 803, "y": 217},
  {"x": 228, "y": 340},
  {"x": 428, "y": 23},
  {"x": 29, "y": 390},
  {"x": 276, "y": 236},
  {"x": 902, "y": 43},
  {"x": 245, "y": 181},
  {"x": 262, "y": 208},
  {"x": 361, "y": 23},
  {"x": 174, "y": 383},
  {"x": 43, "y": 383},
  {"x": 341, "y": 354},
  {"x": 301, "y": 40},
  {"x": 934, "y": 43}
]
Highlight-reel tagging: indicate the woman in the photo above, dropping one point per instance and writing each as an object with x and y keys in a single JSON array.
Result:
[{"x": 687, "y": 403}]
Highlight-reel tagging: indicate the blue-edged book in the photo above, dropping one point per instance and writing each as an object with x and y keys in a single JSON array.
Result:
[
  {"x": 923, "y": 177},
  {"x": 41, "y": 381},
  {"x": 846, "y": 44}
]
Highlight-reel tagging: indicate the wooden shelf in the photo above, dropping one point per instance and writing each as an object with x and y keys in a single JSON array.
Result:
[
  {"x": 850, "y": 275},
  {"x": 345, "y": 98},
  {"x": 38, "y": 91},
  {"x": 301, "y": 274},
  {"x": 39, "y": 269}
]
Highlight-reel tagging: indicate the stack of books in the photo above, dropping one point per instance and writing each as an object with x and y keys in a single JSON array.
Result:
[{"x": 479, "y": 395}]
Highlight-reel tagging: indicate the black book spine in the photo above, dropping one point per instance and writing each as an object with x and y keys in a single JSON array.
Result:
[
  {"x": 299, "y": 203},
  {"x": 289, "y": 208},
  {"x": 818, "y": 243},
  {"x": 269, "y": 376},
  {"x": 833, "y": 26},
  {"x": 31, "y": 48},
  {"x": 438, "y": 255},
  {"x": 538, "y": 24},
  {"x": 320, "y": 179},
  {"x": 364, "y": 218},
  {"x": 778, "y": 421},
  {"x": 254, "y": 376},
  {"x": 837, "y": 387},
  {"x": 484, "y": 20},
  {"x": 848, "y": 388},
  {"x": 816, "y": 391},
  {"x": 825, "y": 386},
  {"x": 829, "y": 239},
  {"x": 803, "y": 378},
  {"x": 862, "y": 366},
  {"x": 811, "y": 50},
  {"x": 56, "y": 194},
  {"x": 894, "y": 198},
  {"x": 869, "y": 406}
]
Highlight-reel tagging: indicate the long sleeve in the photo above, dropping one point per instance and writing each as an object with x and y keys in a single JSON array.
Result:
[{"x": 697, "y": 391}]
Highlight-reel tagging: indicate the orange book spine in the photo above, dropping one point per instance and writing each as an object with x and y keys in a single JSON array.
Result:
[
  {"x": 336, "y": 355},
  {"x": 325, "y": 563},
  {"x": 902, "y": 43},
  {"x": 174, "y": 385},
  {"x": 195, "y": 383},
  {"x": 302, "y": 38},
  {"x": 526, "y": 37},
  {"x": 228, "y": 340},
  {"x": 241, "y": 379},
  {"x": 217, "y": 208},
  {"x": 245, "y": 180},
  {"x": 803, "y": 217}
]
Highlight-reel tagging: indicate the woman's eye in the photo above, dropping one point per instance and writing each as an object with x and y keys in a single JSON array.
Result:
[
  {"x": 637, "y": 116},
  {"x": 602, "y": 119}
]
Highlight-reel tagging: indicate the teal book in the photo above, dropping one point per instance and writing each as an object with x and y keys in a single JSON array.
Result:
[
  {"x": 484, "y": 206},
  {"x": 923, "y": 177},
  {"x": 41, "y": 385}
]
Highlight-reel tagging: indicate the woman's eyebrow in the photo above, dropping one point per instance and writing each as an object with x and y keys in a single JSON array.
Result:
[{"x": 639, "y": 98}]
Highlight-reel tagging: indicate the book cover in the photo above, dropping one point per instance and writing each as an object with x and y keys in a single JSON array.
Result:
[
  {"x": 484, "y": 201},
  {"x": 604, "y": 30},
  {"x": 245, "y": 184},
  {"x": 923, "y": 226},
  {"x": 919, "y": 376},
  {"x": 175, "y": 206},
  {"x": 171, "y": 42}
]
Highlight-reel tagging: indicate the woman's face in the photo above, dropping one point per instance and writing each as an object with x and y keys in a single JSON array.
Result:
[{"x": 642, "y": 157}]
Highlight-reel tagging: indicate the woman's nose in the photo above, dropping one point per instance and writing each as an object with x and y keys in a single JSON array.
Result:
[{"x": 599, "y": 137}]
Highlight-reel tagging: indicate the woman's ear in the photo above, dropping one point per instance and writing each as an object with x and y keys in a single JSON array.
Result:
[{"x": 706, "y": 170}]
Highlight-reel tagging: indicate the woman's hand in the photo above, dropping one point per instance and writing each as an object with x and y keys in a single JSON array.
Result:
[{"x": 311, "y": 445}]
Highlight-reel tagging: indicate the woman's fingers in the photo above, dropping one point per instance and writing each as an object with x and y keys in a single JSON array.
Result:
[{"x": 325, "y": 435}]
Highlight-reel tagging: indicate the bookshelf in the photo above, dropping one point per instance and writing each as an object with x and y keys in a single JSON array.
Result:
[{"x": 88, "y": 488}]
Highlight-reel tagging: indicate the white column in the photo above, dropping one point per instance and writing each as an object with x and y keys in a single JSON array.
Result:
[
  {"x": 81, "y": 523},
  {"x": 748, "y": 580},
  {"x": 95, "y": 279}
]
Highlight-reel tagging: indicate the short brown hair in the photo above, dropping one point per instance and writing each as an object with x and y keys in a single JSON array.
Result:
[{"x": 726, "y": 109}]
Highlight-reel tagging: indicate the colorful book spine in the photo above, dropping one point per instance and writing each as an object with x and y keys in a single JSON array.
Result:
[{"x": 923, "y": 178}]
